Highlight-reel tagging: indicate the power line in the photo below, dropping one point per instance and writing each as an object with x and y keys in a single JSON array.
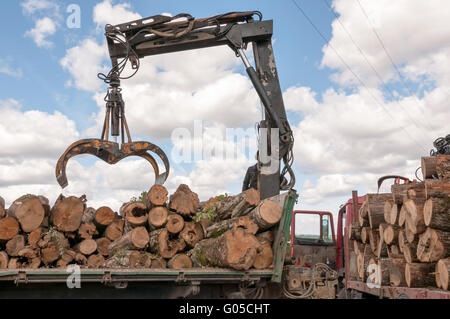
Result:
[
  {"x": 350, "y": 69},
  {"x": 392, "y": 62},
  {"x": 387, "y": 88}
]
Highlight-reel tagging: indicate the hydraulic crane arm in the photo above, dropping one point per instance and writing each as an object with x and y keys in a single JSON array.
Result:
[{"x": 131, "y": 41}]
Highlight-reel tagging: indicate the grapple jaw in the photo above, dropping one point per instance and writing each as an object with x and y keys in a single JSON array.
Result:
[{"x": 111, "y": 154}]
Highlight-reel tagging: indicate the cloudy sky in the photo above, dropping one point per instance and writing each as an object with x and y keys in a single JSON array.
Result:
[{"x": 365, "y": 83}]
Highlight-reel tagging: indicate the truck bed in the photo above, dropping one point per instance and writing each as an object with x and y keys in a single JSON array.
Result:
[
  {"x": 119, "y": 275},
  {"x": 402, "y": 292}
]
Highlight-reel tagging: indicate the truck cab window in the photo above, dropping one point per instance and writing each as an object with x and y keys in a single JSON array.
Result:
[
  {"x": 327, "y": 233},
  {"x": 307, "y": 228}
]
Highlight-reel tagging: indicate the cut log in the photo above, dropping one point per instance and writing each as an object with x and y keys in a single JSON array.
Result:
[
  {"x": 266, "y": 214},
  {"x": 428, "y": 166},
  {"x": 353, "y": 268},
  {"x": 34, "y": 237},
  {"x": 159, "y": 263},
  {"x": 443, "y": 272},
  {"x": 88, "y": 215},
  {"x": 402, "y": 216},
  {"x": 433, "y": 245},
  {"x": 397, "y": 272},
  {"x": 436, "y": 213},
  {"x": 137, "y": 238},
  {"x": 363, "y": 262},
  {"x": 383, "y": 271},
  {"x": 103, "y": 246},
  {"x": 184, "y": 201},
  {"x": 402, "y": 192},
  {"x": 410, "y": 252},
  {"x": 217, "y": 229},
  {"x": 410, "y": 236},
  {"x": 238, "y": 205},
  {"x": 235, "y": 249},
  {"x": 86, "y": 247},
  {"x": 66, "y": 258},
  {"x": 180, "y": 261},
  {"x": 95, "y": 261},
  {"x": 437, "y": 275},
  {"x": 80, "y": 259},
  {"x": 135, "y": 214},
  {"x": 104, "y": 216},
  {"x": 381, "y": 229},
  {"x": 393, "y": 215},
  {"x": 264, "y": 256},
  {"x": 394, "y": 252},
  {"x": 168, "y": 248},
  {"x": 4, "y": 259},
  {"x": 401, "y": 239},
  {"x": 192, "y": 233},
  {"x": 114, "y": 230},
  {"x": 28, "y": 252},
  {"x": 14, "y": 245},
  {"x": 28, "y": 211},
  {"x": 50, "y": 254},
  {"x": 365, "y": 234},
  {"x": 390, "y": 234},
  {"x": 157, "y": 195},
  {"x": 414, "y": 216},
  {"x": 87, "y": 230},
  {"x": 157, "y": 217},
  {"x": 354, "y": 231},
  {"x": 420, "y": 275},
  {"x": 437, "y": 188},
  {"x": 67, "y": 213},
  {"x": 175, "y": 223},
  {"x": 375, "y": 208}
]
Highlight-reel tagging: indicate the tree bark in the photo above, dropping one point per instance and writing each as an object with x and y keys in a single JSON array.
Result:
[
  {"x": 437, "y": 188},
  {"x": 157, "y": 217},
  {"x": 363, "y": 217},
  {"x": 400, "y": 191},
  {"x": 374, "y": 238},
  {"x": 375, "y": 208},
  {"x": 428, "y": 166},
  {"x": 234, "y": 206},
  {"x": 397, "y": 272},
  {"x": 420, "y": 274},
  {"x": 184, "y": 201},
  {"x": 235, "y": 249},
  {"x": 2, "y": 207},
  {"x": 67, "y": 213},
  {"x": 88, "y": 215},
  {"x": 180, "y": 261},
  {"x": 443, "y": 167},
  {"x": 157, "y": 195},
  {"x": 436, "y": 213},
  {"x": 28, "y": 211}
]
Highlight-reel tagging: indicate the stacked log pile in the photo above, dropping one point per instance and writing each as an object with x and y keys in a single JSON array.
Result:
[
  {"x": 406, "y": 233},
  {"x": 157, "y": 231}
]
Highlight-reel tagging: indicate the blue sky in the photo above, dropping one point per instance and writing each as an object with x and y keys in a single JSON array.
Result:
[{"x": 346, "y": 135}]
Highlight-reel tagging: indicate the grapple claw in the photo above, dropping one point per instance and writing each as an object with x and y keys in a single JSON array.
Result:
[{"x": 110, "y": 153}]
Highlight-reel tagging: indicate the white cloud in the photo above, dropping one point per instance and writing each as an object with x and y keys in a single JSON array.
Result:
[
  {"x": 7, "y": 69},
  {"x": 43, "y": 28},
  {"x": 84, "y": 62},
  {"x": 107, "y": 13},
  {"x": 417, "y": 48},
  {"x": 32, "y": 6}
]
